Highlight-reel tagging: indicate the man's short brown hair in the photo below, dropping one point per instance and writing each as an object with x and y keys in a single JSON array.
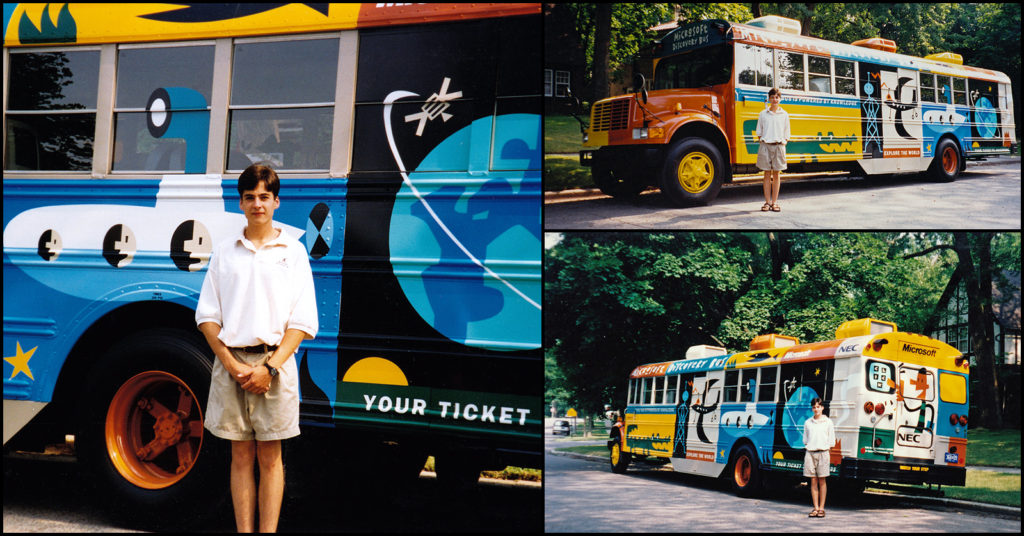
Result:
[{"x": 257, "y": 173}]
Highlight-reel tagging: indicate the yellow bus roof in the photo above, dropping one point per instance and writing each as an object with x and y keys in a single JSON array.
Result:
[{"x": 84, "y": 24}]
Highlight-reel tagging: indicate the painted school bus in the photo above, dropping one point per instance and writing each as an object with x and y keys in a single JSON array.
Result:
[
  {"x": 898, "y": 401},
  {"x": 857, "y": 107},
  {"x": 407, "y": 138}
]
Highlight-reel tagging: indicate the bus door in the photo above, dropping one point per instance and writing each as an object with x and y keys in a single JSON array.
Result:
[
  {"x": 901, "y": 114},
  {"x": 915, "y": 412}
]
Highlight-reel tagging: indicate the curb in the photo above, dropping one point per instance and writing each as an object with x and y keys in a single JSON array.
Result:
[
  {"x": 916, "y": 500},
  {"x": 579, "y": 193}
]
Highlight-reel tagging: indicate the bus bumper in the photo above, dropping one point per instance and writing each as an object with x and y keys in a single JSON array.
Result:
[
  {"x": 586, "y": 158},
  {"x": 902, "y": 472}
]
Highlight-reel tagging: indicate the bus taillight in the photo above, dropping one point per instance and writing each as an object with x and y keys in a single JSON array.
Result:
[
  {"x": 953, "y": 418},
  {"x": 880, "y": 408},
  {"x": 869, "y": 407},
  {"x": 963, "y": 420}
]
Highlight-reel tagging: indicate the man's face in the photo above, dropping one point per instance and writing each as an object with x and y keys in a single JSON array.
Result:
[
  {"x": 818, "y": 408},
  {"x": 259, "y": 205},
  {"x": 774, "y": 98}
]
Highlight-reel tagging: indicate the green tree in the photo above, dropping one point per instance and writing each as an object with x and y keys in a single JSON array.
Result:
[{"x": 614, "y": 301}]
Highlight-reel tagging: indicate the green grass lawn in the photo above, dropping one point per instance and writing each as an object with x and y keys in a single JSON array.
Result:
[
  {"x": 562, "y": 134},
  {"x": 565, "y": 173}
]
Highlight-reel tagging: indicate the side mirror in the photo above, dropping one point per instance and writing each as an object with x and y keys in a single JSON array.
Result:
[
  {"x": 639, "y": 86},
  {"x": 575, "y": 100}
]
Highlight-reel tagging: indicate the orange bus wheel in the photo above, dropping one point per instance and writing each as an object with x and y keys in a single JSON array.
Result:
[
  {"x": 154, "y": 429},
  {"x": 947, "y": 161},
  {"x": 745, "y": 472},
  {"x": 140, "y": 436}
]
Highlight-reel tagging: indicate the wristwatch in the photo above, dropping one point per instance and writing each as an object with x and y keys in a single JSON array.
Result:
[{"x": 272, "y": 370}]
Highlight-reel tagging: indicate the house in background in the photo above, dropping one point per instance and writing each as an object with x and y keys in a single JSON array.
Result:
[{"x": 952, "y": 329}]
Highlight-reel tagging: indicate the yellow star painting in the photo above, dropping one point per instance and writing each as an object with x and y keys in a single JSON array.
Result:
[{"x": 20, "y": 361}]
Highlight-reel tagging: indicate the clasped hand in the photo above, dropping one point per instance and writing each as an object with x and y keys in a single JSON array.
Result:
[{"x": 256, "y": 380}]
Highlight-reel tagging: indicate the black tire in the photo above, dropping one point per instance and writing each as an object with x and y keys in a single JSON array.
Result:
[
  {"x": 947, "y": 161},
  {"x": 617, "y": 178},
  {"x": 619, "y": 460},
  {"x": 744, "y": 472},
  {"x": 156, "y": 377},
  {"x": 457, "y": 470},
  {"x": 693, "y": 172}
]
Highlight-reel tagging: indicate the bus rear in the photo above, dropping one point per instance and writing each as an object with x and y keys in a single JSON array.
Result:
[{"x": 911, "y": 410}]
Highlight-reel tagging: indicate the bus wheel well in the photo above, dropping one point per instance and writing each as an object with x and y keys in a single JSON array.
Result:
[
  {"x": 105, "y": 332},
  {"x": 959, "y": 147},
  {"x": 711, "y": 133},
  {"x": 740, "y": 443}
]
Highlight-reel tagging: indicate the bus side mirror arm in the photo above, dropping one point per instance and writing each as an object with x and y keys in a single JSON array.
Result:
[{"x": 576, "y": 105}]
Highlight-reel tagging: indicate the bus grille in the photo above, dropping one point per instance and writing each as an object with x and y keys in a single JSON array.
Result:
[{"x": 610, "y": 115}]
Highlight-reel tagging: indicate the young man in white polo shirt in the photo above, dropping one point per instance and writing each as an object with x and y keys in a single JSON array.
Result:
[
  {"x": 257, "y": 304},
  {"x": 773, "y": 132}
]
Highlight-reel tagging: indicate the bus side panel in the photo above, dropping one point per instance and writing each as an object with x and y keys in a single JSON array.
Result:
[
  {"x": 986, "y": 130},
  {"x": 440, "y": 313},
  {"x": 823, "y": 129},
  {"x": 799, "y": 384},
  {"x": 951, "y": 429},
  {"x": 649, "y": 430},
  {"x": 62, "y": 250}
]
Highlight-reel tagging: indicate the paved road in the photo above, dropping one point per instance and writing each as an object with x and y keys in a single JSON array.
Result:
[
  {"x": 986, "y": 196},
  {"x": 43, "y": 496},
  {"x": 584, "y": 496}
]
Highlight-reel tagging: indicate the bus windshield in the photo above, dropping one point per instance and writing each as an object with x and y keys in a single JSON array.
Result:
[{"x": 696, "y": 68}]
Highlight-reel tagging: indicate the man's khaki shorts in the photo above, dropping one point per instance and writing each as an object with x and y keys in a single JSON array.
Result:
[
  {"x": 771, "y": 156},
  {"x": 238, "y": 415},
  {"x": 816, "y": 463}
]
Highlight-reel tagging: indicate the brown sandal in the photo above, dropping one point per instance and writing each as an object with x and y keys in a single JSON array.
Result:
[
  {"x": 776, "y": 208},
  {"x": 766, "y": 207},
  {"x": 814, "y": 513}
]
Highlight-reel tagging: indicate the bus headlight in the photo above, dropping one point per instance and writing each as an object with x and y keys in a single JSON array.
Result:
[{"x": 648, "y": 133}]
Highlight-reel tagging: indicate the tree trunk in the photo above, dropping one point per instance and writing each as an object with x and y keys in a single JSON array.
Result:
[
  {"x": 602, "y": 42},
  {"x": 976, "y": 265}
]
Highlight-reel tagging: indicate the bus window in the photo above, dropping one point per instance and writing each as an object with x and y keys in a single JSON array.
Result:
[
  {"x": 670, "y": 389},
  {"x": 791, "y": 70},
  {"x": 927, "y": 87},
  {"x": 945, "y": 89},
  {"x": 701, "y": 68},
  {"x": 141, "y": 71},
  {"x": 645, "y": 391},
  {"x": 289, "y": 125},
  {"x": 880, "y": 376},
  {"x": 731, "y": 380},
  {"x": 846, "y": 83},
  {"x": 917, "y": 383},
  {"x": 819, "y": 77},
  {"x": 767, "y": 387},
  {"x": 748, "y": 384},
  {"x": 51, "y": 118},
  {"x": 754, "y": 65},
  {"x": 659, "y": 391},
  {"x": 959, "y": 91},
  {"x": 952, "y": 388}
]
